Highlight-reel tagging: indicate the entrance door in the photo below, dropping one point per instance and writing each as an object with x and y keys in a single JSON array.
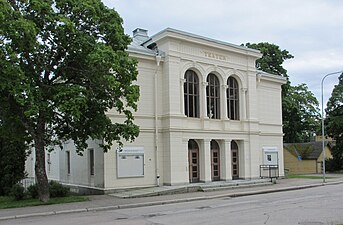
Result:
[
  {"x": 235, "y": 160},
  {"x": 215, "y": 161},
  {"x": 193, "y": 158}
]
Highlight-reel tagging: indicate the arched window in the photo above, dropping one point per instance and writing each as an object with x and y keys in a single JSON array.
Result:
[
  {"x": 191, "y": 94},
  {"x": 213, "y": 97},
  {"x": 232, "y": 99}
]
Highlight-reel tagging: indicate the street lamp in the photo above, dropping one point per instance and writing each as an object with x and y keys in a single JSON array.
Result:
[{"x": 323, "y": 146}]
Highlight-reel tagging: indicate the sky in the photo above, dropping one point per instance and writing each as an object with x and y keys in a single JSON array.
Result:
[{"x": 311, "y": 30}]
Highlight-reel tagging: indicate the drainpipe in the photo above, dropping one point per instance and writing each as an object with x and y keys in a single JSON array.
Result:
[{"x": 158, "y": 60}]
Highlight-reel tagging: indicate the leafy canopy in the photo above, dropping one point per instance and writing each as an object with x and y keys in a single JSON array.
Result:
[
  {"x": 300, "y": 108},
  {"x": 334, "y": 122},
  {"x": 55, "y": 58},
  {"x": 272, "y": 59}
]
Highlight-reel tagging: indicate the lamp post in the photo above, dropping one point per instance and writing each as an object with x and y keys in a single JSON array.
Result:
[{"x": 323, "y": 145}]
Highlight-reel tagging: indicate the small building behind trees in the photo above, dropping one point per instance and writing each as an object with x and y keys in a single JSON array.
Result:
[{"x": 305, "y": 158}]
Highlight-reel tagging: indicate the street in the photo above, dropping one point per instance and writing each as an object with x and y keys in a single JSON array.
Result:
[{"x": 314, "y": 206}]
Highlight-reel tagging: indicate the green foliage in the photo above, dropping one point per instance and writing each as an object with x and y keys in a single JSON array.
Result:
[
  {"x": 12, "y": 152},
  {"x": 57, "y": 190},
  {"x": 301, "y": 118},
  {"x": 334, "y": 122},
  {"x": 55, "y": 58},
  {"x": 12, "y": 164},
  {"x": 300, "y": 108},
  {"x": 18, "y": 192},
  {"x": 312, "y": 177},
  {"x": 32, "y": 191},
  {"x": 7, "y": 202},
  {"x": 272, "y": 59},
  {"x": 333, "y": 165}
]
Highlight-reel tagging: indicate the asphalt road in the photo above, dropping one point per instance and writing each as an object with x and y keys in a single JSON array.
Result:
[{"x": 314, "y": 206}]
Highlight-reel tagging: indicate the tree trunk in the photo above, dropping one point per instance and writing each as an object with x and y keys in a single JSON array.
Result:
[{"x": 42, "y": 179}]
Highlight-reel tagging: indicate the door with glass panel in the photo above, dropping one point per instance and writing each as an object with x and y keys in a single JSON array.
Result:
[
  {"x": 235, "y": 160},
  {"x": 193, "y": 158},
  {"x": 215, "y": 161}
]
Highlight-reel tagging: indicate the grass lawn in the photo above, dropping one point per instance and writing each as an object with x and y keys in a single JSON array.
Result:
[
  {"x": 9, "y": 202},
  {"x": 308, "y": 177}
]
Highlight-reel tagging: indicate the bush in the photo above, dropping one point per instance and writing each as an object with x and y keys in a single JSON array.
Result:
[
  {"x": 33, "y": 191},
  {"x": 57, "y": 190},
  {"x": 12, "y": 163},
  {"x": 333, "y": 165},
  {"x": 18, "y": 192}
]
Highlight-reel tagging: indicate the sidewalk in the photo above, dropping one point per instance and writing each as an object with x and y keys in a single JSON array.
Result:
[{"x": 108, "y": 202}]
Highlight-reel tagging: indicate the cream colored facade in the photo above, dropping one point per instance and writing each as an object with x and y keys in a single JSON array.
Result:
[{"x": 174, "y": 148}]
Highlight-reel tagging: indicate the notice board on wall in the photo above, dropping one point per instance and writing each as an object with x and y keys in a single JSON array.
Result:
[
  {"x": 130, "y": 161},
  {"x": 270, "y": 156}
]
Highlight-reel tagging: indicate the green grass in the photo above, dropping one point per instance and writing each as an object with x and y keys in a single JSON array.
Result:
[
  {"x": 308, "y": 177},
  {"x": 9, "y": 202}
]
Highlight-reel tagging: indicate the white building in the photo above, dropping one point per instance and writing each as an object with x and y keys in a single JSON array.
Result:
[{"x": 205, "y": 114}]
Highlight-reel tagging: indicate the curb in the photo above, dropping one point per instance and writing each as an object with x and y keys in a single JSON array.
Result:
[{"x": 165, "y": 202}]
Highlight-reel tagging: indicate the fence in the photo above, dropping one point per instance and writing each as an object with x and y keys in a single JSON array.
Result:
[{"x": 269, "y": 171}]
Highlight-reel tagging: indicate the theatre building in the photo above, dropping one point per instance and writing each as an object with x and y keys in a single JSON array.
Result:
[{"x": 205, "y": 115}]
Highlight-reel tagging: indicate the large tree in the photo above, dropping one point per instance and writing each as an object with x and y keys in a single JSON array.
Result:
[
  {"x": 300, "y": 114},
  {"x": 63, "y": 65},
  {"x": 334, "y": 121},
  {"x": 300, "y": 108}
]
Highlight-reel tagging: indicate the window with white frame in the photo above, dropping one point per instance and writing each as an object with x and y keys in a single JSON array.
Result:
[
  {"x": 191, "y": 94},
  {"x": 232, "y": 99},
  {"x": 213, "y": 96}
]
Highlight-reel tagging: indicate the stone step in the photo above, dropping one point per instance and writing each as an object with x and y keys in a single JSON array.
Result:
[
  {"x": 168, "y": 190},
  {"x": 228, "y": 187}
]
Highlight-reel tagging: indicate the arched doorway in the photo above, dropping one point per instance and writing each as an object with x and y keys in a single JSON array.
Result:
[
  {"x": 234, "y": 160},
  {"x": 193, "y": 161},
  {"x": 215, "y": 161}
]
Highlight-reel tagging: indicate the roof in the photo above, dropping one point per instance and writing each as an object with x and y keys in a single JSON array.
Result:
[
  {"x": 190, "y": 35},
  {"x": 310, "y": 150},
  {"x": 136, "y": 47}
]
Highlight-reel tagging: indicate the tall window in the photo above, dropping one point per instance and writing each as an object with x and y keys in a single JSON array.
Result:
[
  {"x": 232, "y": 99},
  {"x": 68, "y": 161},
  {"x": 213, "y": 97},
  {"x": 191, "y": 90},
  {"x": 91, "y": 161}
]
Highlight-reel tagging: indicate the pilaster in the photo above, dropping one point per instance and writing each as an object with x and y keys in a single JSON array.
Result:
[
  {"x": 225, "y": 161},
  {"x": 205, "y": 161}
]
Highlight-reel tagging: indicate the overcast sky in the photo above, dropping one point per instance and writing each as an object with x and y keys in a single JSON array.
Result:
[{"x": 311, "y": 30}]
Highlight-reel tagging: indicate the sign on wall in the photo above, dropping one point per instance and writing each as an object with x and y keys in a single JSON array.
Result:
[
  {"x": 130, "y": 161},
  {"x": 270, "y": 156}
]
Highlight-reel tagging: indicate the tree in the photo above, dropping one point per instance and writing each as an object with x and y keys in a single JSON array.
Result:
[
  {"x": 334, "y": 121},
  {"x": 272, "y": 59},
  {"x": 63, "y": 65},
  {"x": 301, "y": 118},
  {"x": 300, "y": 109}
]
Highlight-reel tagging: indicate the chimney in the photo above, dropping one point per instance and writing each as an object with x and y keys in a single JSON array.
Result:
[{"x": 140, "y": 35}]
